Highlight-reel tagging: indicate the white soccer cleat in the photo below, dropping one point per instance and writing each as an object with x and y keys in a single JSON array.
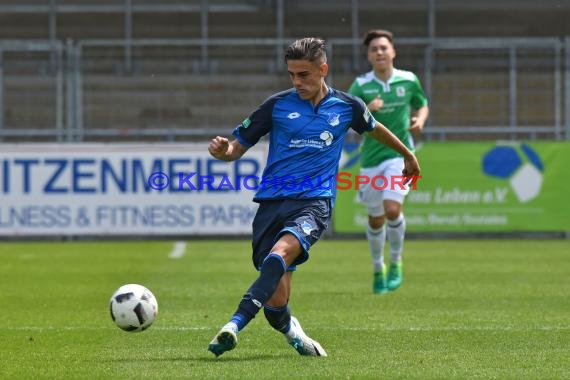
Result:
[
  {"x": 302, "y": 343},
  {"x": 225, "y": 340}
]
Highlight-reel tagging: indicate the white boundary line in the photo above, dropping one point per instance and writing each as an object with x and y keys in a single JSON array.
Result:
[
  {"x": 178, "y": 250},
  {"x": 111, "y": 327},
  {"x": 374, "y": 328}
]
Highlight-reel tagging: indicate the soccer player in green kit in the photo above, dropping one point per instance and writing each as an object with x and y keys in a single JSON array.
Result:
[{"x": 396, "y": 99}]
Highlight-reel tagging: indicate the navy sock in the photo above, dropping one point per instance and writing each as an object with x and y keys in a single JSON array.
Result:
[
  {"x": 261, "y": 290},
  {"x": 278, "y": 317}
]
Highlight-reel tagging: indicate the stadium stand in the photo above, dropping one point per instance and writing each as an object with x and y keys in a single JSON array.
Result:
[{"x": 131, "y": 66}]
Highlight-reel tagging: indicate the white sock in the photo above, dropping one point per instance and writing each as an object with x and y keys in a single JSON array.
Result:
[
  {"x": 292, "y": 333},
  {"x": 376, "y": 238},
  {"x": 293, "y": 330},
  {"x": 396, "y": 230},
  {"x": 231, "y": 326}
]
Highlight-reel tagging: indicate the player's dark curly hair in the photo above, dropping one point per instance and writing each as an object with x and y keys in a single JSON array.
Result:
[
  {"x": 311, "y": 49},
  {"x": 376, "y": 33}
]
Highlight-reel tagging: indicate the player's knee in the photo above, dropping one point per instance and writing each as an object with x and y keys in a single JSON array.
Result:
[
  {"x": 393, "y": 210},
  {"x": 278, "y": 298},
  {"x": 288, "y": 247},
  {"x": 375, "y": 222}
]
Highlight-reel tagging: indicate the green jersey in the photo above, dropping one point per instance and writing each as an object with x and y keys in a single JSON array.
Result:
[{"x": 402, "y": 91}]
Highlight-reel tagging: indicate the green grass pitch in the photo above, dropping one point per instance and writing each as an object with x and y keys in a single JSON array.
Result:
[{"x": 467, "y": 309}]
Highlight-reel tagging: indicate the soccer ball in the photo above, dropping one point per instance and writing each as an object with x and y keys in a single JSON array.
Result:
[{"x": 133, "y": 307}]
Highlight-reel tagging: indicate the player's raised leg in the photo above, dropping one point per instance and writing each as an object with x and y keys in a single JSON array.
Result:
[
  {"x": 272, "y": 268},
  {"x": 396, "y": 229},
  {"x": 375, "y": 230},
  {"x": 376, "y": 236},
  {"x": 260, "y": 291}
]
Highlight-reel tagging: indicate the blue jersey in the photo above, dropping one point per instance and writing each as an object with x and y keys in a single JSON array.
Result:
[{"x": 305, "y": 142}]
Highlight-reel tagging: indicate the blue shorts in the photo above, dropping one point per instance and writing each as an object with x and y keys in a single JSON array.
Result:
[{"x": 306, "y": 219}]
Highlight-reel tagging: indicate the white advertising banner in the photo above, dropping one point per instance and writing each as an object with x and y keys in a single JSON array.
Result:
[{"x": 125, "y": 189}]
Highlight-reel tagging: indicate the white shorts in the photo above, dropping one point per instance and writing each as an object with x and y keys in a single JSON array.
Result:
[{"x": 386, "y": 183}]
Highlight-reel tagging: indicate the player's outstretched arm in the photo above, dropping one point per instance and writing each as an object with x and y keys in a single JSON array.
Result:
[
  {"x": 384, "y": 136},
  {"x": 223, "y": 150}
]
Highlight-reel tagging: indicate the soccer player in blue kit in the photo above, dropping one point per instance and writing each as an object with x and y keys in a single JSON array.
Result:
[{"x": 306, "y": 126}]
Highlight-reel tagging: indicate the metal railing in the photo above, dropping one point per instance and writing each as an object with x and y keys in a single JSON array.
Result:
[{"x": 87, "y": 90}]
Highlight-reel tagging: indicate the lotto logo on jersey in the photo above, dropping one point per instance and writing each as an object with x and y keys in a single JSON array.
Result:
[{"x": 367, "y": 115}]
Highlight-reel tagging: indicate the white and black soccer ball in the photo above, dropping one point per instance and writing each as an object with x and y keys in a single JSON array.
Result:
[{"x": 133, "y": 307}]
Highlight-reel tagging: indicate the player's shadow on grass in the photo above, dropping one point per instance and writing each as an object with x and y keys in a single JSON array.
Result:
[
  {"x": 237, "y": 359},
  {"x": 205, "y": 359}
]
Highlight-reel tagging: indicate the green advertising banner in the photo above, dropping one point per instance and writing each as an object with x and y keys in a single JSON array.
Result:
[{"x": 475, "y": 187}]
